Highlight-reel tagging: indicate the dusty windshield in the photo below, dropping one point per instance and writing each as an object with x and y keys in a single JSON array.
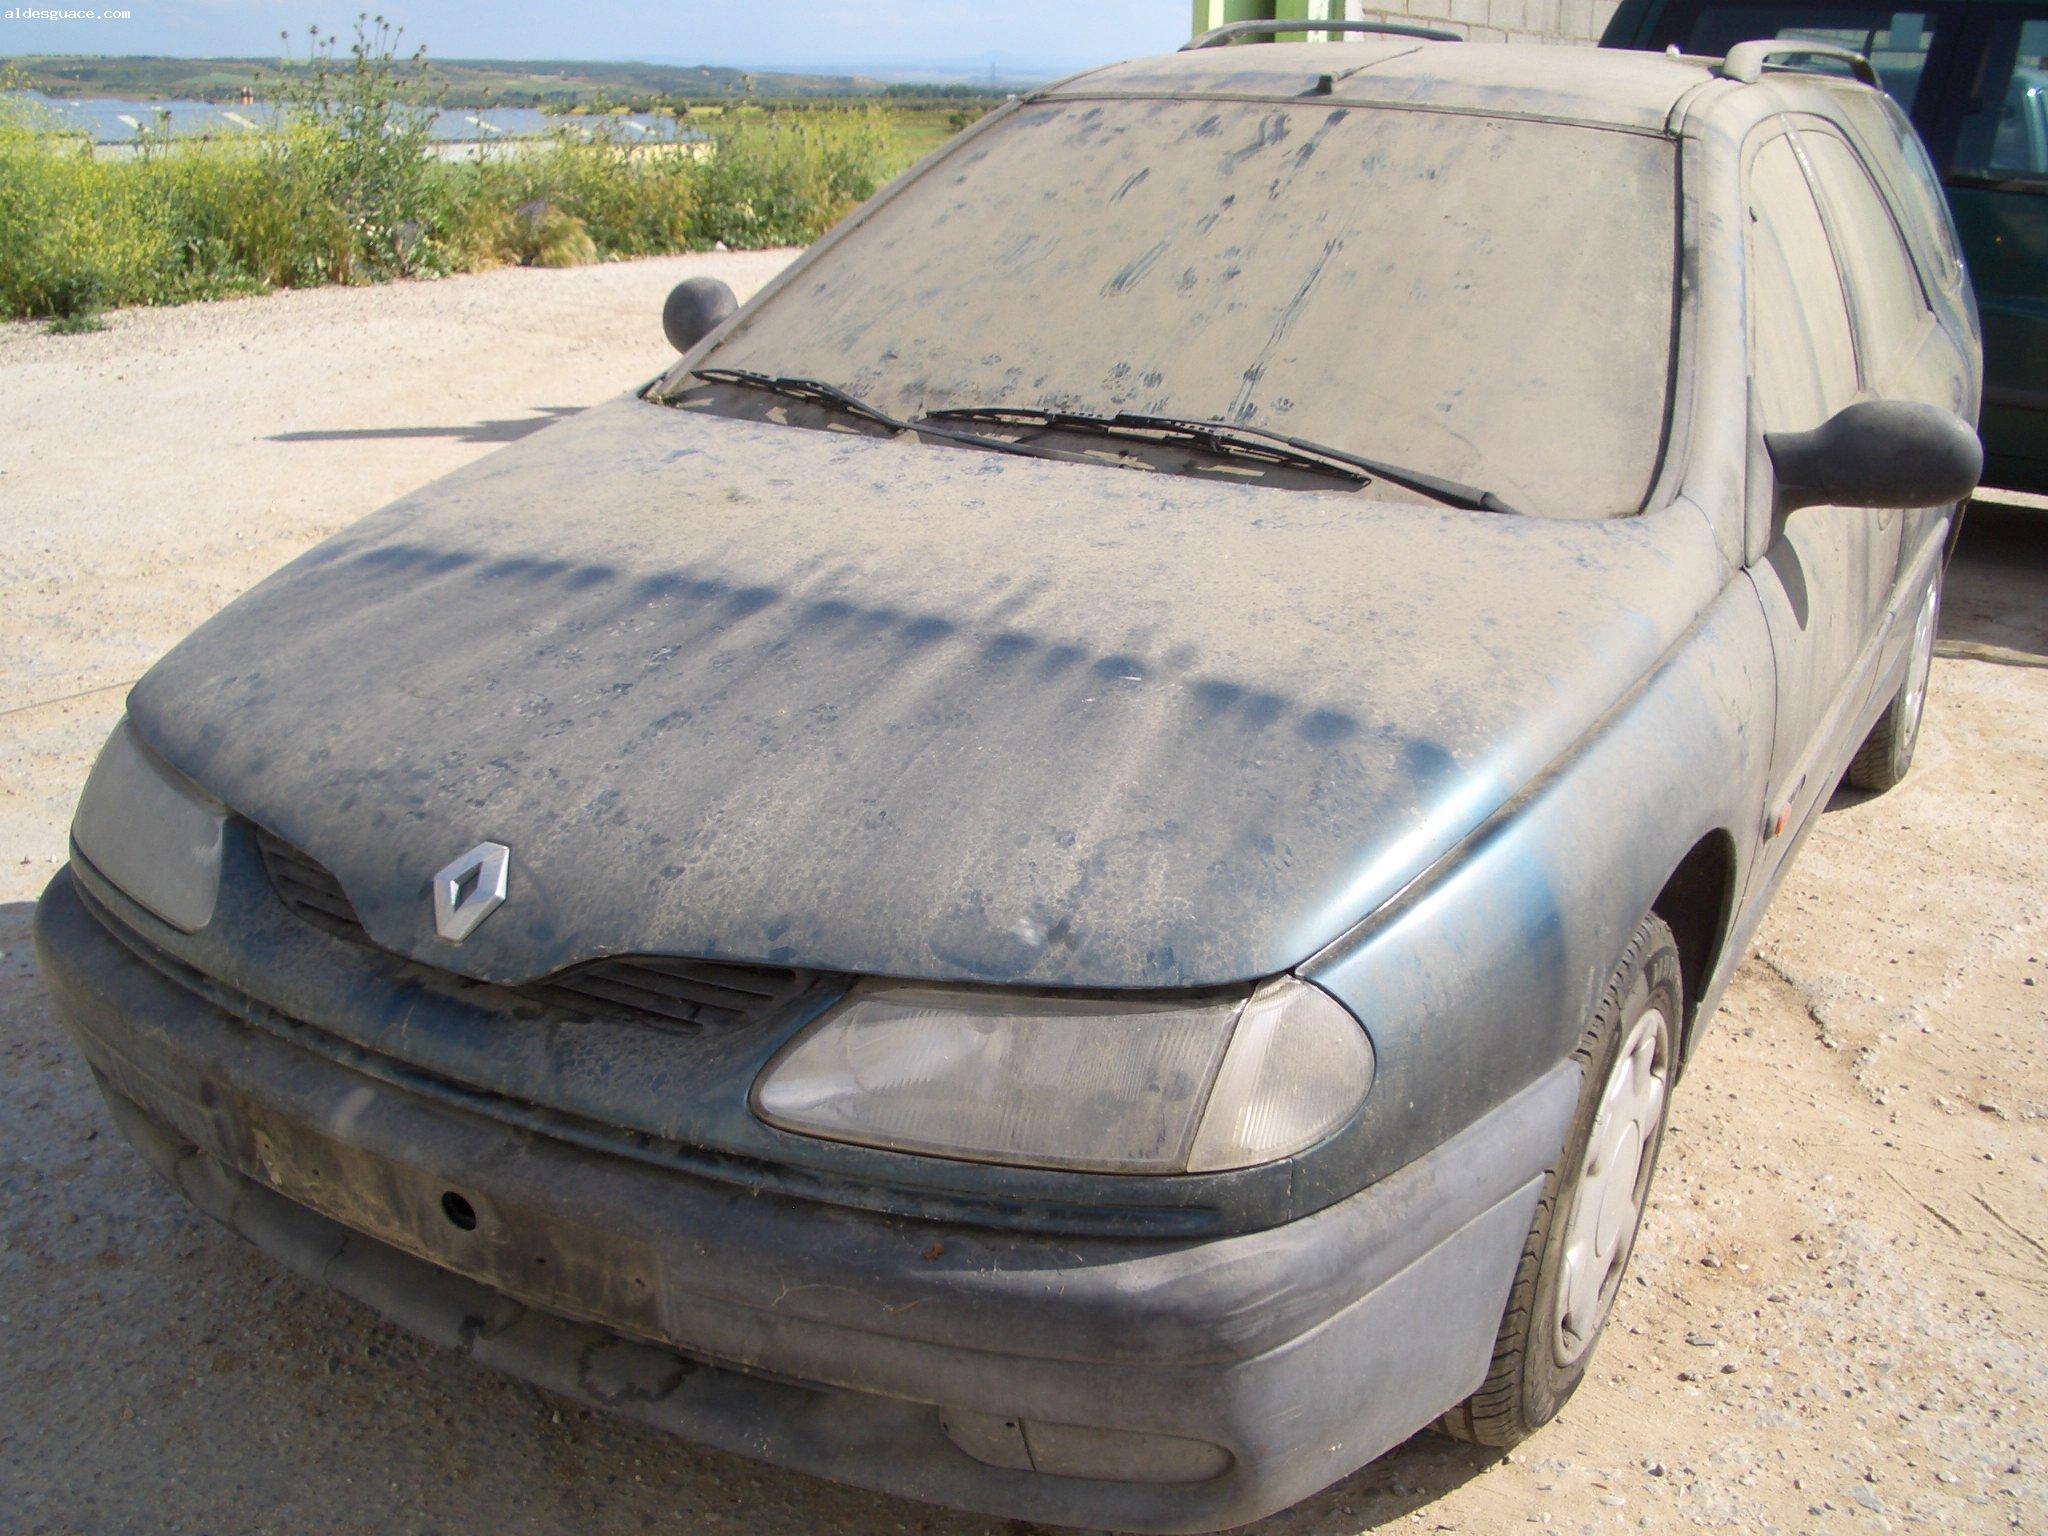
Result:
[{"x": 1488, "y": 299}]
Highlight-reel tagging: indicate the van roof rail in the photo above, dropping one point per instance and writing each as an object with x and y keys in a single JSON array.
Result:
[
  {"x": 1230, "y": 32},
  {"x": 1747, "y": 62}
]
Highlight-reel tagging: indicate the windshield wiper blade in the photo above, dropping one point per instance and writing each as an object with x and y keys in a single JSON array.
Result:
[
  {"x": 1228, "y": 438},
  {"x": 1216, "y": 437},
  {"x": 794, "y": 388},
  {"x": 1452, "y": 492},
  {"x": 818, "y": 392}
]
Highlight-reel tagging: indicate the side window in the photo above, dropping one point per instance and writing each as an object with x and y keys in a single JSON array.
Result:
[
  {"x": 1884, "y": 287},
  {"x": 1916, "y": 193},
  {"x": 1800, "y": 352}
]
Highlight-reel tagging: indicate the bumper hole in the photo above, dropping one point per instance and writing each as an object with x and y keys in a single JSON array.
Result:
[{"x": 458, "y": 1211}]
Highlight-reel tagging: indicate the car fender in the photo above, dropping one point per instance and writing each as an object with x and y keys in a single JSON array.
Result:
[{"x": 1478, "y": 977}]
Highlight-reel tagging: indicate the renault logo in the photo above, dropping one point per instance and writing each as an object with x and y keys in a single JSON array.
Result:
[{"x": 470, "y": 890}]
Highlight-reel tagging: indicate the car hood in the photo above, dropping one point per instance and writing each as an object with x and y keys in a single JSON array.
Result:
[{"x": 745, "y": 691}]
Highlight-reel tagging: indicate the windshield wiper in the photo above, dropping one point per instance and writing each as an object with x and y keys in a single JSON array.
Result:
[
  {"x": 1217, "y": 437},
  {"x": 1222, "y": 438},
  {"x": 793, "y": 388},
  {"x": 818, "y": 392},
  {"x": 1228, "y": 440}
]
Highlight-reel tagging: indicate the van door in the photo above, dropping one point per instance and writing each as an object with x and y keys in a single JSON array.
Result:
[{"x": 1998, "y": 186}]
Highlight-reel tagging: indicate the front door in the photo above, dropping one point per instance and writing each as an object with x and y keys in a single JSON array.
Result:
[{"x": 1826, "y": 572}]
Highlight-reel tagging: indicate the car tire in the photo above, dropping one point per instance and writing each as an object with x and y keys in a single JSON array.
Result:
[
  {"x": 1887, "y": 752},
  {"x": 1578, "y": 1247}
]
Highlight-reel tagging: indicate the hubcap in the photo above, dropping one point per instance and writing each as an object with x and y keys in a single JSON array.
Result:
[
  {"x": 1600, "y": 1228},
  {"x": 1914, "y": 697}
]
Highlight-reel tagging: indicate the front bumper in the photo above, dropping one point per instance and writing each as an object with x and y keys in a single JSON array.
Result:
[{"x": 1162, "y": 1385}]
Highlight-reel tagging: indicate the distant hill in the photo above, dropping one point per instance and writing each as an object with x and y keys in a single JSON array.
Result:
[{"x": 457, "y": 82}]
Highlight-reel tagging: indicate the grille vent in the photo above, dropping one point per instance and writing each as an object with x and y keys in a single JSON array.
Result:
[
  {"x": 679, "y": 994},
  {"x": 308, "y": 889},
  {"x": 686, "y": 992}
]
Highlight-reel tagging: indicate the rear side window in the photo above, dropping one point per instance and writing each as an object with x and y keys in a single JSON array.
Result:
[
  {"x": 1884, "y": 288},
  {"x": 1802, "y": 358}
]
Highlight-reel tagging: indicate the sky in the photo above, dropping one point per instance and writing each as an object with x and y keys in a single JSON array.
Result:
[{"x": 811, "y": 34}]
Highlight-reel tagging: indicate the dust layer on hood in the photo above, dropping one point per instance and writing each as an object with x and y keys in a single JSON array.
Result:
[{"x": 746, "y": 691}]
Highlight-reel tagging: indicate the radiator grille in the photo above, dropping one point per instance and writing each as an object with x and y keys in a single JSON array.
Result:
[{"x": 676, "y": 993}]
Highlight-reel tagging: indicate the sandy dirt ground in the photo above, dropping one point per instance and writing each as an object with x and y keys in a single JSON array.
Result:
[{"x": 1837, "y": 1314}]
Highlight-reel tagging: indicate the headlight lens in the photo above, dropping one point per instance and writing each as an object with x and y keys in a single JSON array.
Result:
[
  {"x": 1042, "y": 1081},
  {"x": 150, "y": 832}
]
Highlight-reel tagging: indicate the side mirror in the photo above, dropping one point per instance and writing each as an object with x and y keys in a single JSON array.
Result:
[
  {"x": 1877, "y": 453},
  {"x": 695, "y": 308}
]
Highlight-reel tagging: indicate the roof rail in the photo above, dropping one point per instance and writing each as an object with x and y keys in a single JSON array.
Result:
[
  {"x": 1747, "y": 62},
  {"x": 1230, "y": 32}
]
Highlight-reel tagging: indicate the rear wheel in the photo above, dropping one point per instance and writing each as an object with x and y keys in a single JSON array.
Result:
[
  {"x": 1592, "y": 1202},
  {"x": 1887, "y": 752}
]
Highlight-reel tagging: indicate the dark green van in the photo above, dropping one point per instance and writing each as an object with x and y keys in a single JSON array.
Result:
[{"x": 1974, "y": 79}]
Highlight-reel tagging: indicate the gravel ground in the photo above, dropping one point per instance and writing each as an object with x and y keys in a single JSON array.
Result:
[{"x": 1837, "y": 1313}]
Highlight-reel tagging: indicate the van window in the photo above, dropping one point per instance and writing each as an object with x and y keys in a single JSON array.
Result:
[
  {"x": 1802, "y": 359},
  {"x": 2006, "y": 136},
  {"x": 1883, "y": 286}
]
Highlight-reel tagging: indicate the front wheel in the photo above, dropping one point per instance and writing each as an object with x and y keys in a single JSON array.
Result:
[
  {"x": 1592, "y": 1202},
  {"x": 1887, "y": 752}
]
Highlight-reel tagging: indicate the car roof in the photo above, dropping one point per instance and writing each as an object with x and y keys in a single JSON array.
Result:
[{"x": 1603, "y": 86}]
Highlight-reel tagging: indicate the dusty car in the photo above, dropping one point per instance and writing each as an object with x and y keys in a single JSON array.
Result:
[{"x": 1068, "y": 872}]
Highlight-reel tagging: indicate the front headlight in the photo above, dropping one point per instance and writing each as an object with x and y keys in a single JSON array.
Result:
[
  {"x": 1045, "y": 1081},
  {"x": 150, "y": 832}
]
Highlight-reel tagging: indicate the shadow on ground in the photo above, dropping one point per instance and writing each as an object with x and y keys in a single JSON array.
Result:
[
  {"x": 507, "y": 429},
  {"x": 1994, "y": 607},
  {"x": 1994, "y": 600}
]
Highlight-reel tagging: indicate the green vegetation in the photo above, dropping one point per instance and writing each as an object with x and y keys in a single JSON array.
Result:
[
  {"x": 76, "y": 325},
  {"x": 346, "y": 190},
  {"x": 918, "y": 125}
]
